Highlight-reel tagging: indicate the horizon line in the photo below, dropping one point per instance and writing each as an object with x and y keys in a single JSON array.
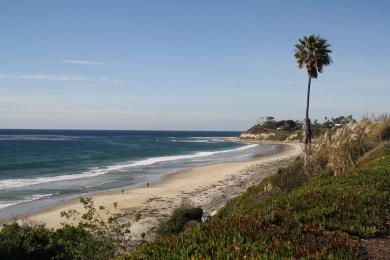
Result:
[{"x": 146, "y": 130}]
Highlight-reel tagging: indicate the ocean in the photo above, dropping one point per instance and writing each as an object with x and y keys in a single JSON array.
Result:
[{"x": 39, "y": 168}]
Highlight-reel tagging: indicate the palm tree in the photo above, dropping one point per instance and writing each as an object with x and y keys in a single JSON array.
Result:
[{"x": 312, "y": 53}]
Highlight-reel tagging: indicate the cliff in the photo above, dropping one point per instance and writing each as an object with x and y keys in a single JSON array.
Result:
[{"x": 271, "y": 130}]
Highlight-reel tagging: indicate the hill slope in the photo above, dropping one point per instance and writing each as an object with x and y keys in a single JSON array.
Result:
[{"x": 292, "y": 215}]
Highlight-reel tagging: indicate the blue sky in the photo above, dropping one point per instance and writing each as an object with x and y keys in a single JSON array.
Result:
[{"x": 190, "y": 65}]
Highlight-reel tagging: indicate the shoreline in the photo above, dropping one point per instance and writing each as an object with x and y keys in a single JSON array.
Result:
[
  {"x": 209, "y": 187},
  {"x": 153, "y": 169}
]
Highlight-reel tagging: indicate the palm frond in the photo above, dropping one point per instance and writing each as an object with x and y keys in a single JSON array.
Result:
[{"x": 312, "y": 52}]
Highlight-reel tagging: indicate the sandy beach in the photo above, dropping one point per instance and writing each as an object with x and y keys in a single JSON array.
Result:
[{"x": 209, "y": 187}]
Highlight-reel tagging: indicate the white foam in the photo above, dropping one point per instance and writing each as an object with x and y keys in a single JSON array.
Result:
[
  {"x": 18, "y": 183},
  {"x": 7, "y": 203},
  {"x": 245, "y": 155},
  {"x": 194, "y": 141},
  {"x": 154, "y": 160},
  {"x": 93, "y": 172},
  {"x": 200, "y": 140}
]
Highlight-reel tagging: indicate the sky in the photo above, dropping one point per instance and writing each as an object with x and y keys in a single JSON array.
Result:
[{"x": 186, "y": 65}]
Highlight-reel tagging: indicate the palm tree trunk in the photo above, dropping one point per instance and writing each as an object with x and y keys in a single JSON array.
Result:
[
  {"x": 308, "y": 98},
  {"x": 307, "y": 125}
]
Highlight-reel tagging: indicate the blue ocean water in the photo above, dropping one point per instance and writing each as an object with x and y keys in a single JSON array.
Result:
[{"x": 49, "y": 165}]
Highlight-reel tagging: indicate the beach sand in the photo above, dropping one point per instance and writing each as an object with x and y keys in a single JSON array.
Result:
[{"x": 209, "y": 187}]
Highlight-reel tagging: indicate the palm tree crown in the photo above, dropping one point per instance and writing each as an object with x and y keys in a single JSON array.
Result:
[{"x": 312, "y": 52}]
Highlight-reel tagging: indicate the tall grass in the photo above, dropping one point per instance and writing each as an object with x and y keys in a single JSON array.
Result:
[{"x": 340, "y": 148}]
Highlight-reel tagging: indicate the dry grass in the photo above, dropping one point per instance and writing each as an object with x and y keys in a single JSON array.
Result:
[{"x": 340, "y": 148}]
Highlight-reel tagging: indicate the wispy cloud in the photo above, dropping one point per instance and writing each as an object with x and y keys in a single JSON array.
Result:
[
  {"x": 86, "y": 62},
  {"x": 54, "y": 77},
  {"x": 50, "y": 77}
]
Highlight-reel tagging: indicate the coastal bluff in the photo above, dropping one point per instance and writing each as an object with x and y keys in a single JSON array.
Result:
[{"x": 272, "y": 130}]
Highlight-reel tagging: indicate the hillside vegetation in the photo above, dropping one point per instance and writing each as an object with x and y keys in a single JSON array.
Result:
[
  {"x": 272, "y": 130},
  {"x": 324, "y": 214},
  {"x": 289, "y": 130}
]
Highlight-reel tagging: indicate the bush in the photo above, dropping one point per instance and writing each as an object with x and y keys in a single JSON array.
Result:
[
  {"x": 91, "y": 238},
  {"x": 26, "y": 241},
  {"x": 35, "y": 241},
  {"x": 290, "y": 177},
  {"x": 385, "y": 132},
  {"x": 382, "y": 127},
  {"x": 180, "y": 216}
]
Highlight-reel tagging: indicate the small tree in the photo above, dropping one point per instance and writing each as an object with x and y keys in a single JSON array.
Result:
[
  {"x": 312, "y": 53},
  {"x": 112, "y": 235}
]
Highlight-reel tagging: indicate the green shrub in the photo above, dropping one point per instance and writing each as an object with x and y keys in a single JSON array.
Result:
[
  {"x": 26, "y": 242},
  {"x": 179, "y": 218},
  {"x": 76, "y": 242},
  {"x": 91, "y": 238},
  {"x": 35, "y": 241}
]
